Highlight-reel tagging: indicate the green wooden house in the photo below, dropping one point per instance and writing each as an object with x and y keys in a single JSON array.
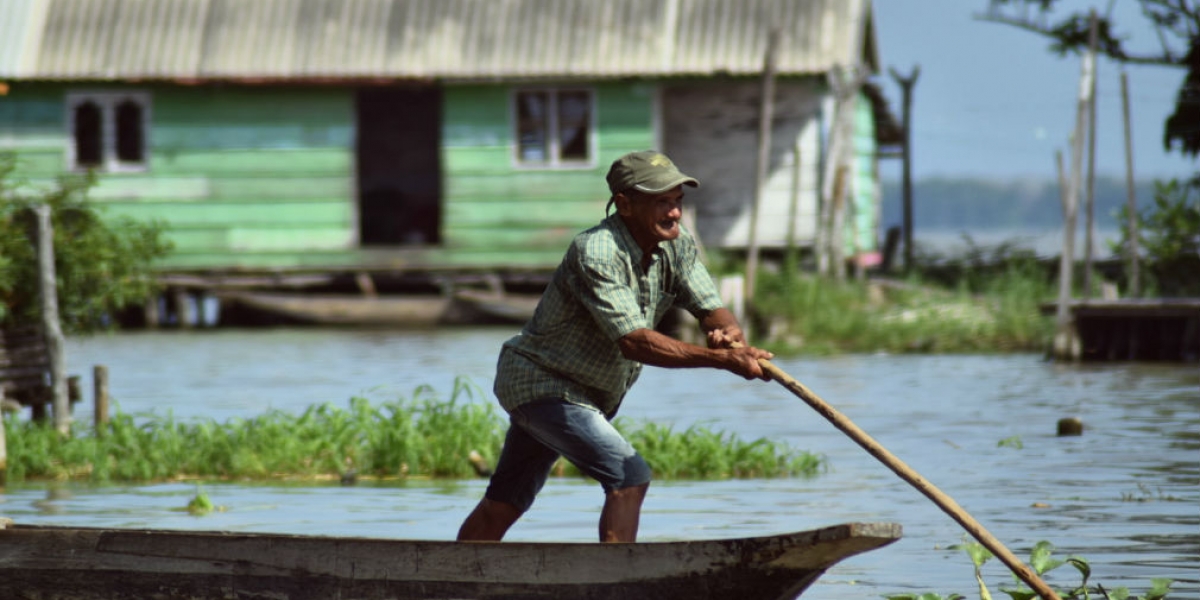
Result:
[{"x": 291, "y": 136}]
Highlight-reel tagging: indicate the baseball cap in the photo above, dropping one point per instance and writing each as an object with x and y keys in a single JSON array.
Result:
[{"x": 646, "y": 171}]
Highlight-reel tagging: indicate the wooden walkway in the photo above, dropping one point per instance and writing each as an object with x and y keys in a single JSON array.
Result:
[{"x": 1153, "y": 329}]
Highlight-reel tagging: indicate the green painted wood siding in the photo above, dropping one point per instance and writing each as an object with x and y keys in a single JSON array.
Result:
[
  {"x": 241, "y": 176},
  {"x": 264, "y": 177},
  {"x": 495, "y": 208}
]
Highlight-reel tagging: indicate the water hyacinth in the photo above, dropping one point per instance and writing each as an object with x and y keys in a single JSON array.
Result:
[{"x": 421, "y": 436}]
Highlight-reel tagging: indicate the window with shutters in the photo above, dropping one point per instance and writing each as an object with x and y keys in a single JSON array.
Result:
[{"x": 108, "y": 130}]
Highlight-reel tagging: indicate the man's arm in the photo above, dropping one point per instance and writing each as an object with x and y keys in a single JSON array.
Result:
[{"x": 653, "y": 348}]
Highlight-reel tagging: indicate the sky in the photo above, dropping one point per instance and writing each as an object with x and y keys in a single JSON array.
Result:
[{"x": 994, "y": 101}]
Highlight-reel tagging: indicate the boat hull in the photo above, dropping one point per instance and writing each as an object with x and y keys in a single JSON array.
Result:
[{"x": 52, "y": 563}]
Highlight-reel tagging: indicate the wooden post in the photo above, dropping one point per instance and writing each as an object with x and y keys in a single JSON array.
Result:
[
  {"x": 794, "y": 205},
  {"x": 151, "y": 313},
  {"x": 1066, "y": 343},
  {"x": 906, "y": 84},
  {"x": 3, "y": 450},
  {"x": 48, "y": 289},
  {"x": 1135, "y": 279},
  {"x": 837, "y": 250},
  {"x": 832, "y": 160},
  {"x": 1090, "y": 210},
  {"x": 765, "y": 116},
  {"x": 100, "y": 397},
  {"x": 184, "y": 312},
  {"x": 1065, "y": 340}
]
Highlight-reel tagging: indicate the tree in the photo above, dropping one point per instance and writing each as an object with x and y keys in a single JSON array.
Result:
[
  {"x": 103, "y": 265},
  {"x": 1177, "y": 23}
]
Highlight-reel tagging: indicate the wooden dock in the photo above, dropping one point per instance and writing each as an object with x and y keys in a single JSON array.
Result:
[{"x": 1135, "y": 329}]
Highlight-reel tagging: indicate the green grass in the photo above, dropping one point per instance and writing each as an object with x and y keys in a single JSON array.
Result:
[
  {"x": 422, "y": 436},
  {"x": 813, "y": 315}
]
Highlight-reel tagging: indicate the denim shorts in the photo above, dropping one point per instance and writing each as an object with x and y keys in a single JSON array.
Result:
[{"x": 541, "y": 431}]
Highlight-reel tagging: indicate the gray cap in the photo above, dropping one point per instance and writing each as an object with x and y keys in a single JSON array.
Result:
[{"x": 646, "y": 171}]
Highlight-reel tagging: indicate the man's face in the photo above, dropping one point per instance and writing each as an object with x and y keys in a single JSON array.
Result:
[{"x": 652, "y": 218}]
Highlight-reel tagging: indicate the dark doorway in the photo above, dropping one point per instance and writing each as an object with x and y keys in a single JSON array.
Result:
[{"x": 399, "y": 171}]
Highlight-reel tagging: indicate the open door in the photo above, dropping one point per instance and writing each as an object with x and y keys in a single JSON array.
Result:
[{"x": 399, "y": 167}]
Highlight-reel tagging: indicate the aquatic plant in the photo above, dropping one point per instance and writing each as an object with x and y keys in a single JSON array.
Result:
[
  {"x": 1042, "y": 561},
  {"x": 419, "y": 436}
]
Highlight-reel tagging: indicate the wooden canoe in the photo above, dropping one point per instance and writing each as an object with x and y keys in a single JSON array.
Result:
[
  {"x": 68, "y": 563},
  {"x": 347, "y": 310},
  {"x": 512, "y": 308}
]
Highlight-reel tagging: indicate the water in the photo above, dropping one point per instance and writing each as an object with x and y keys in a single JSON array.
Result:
[{"x": 1125, "y": 495}]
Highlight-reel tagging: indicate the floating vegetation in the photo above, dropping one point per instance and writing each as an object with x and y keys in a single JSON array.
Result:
[
  {"x": 423, "y": 436},
  {"x": 1042, "y": 561},
  {"x": 1145, "y": 494},
  {"x": 1011, "y": 442},
  {"x": 201, "y": 505}
]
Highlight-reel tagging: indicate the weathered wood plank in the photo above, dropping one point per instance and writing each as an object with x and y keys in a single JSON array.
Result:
[
  {"x": 275, "y": 213},
  {"x": 310, "y": 162},
  {"x": 509, "y": 238},
  {"x": 574, "y": 214}
]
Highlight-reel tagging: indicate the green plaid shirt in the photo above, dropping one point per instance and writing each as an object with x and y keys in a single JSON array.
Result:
[{"x": 598, "y": 294}]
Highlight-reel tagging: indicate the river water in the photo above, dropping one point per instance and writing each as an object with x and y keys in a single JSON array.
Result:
[{"x": 1125, "y": 495}]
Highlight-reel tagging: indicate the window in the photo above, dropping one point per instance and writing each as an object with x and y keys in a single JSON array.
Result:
[
  {"x": 108, "y": 130},
  {"x": 553, "y": 127}
]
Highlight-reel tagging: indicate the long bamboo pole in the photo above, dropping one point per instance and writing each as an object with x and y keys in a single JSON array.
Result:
[{"x": 946, "y": 503}]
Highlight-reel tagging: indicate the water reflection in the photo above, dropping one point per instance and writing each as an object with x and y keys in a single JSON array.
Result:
[{"x": 1125, "y": 494}]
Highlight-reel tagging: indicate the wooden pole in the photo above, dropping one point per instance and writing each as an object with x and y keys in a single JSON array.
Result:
[
  {"x": 1135, "y": 279},
  {"x": 907, "y": 84},
  {"x": 100, "y": 397},
  {"x": 794, "y": 205},
  {"x": 52, "y": 329},
  {"x": 1090, "y": 210},
  {"x": 1064, "y": 333},
  {"x": 1065, "y": 340},
  {"x": 946, "y": 503},
  {"x": 3, "y": 449},
  {"x": 846, "y": 84},
  {"x": 833, "y": 159},
  {"x": 765, "y": 116},
  {"x": 837, "y": 252}
]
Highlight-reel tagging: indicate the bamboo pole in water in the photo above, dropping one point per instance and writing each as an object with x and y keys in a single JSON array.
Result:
[{"x": 946, "y": 503}]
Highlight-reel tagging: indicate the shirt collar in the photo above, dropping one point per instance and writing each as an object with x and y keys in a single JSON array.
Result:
[{"x": 625, "y": 239}]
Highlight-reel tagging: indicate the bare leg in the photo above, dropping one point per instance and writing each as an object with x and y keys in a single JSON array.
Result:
[
  {"x": 489, "y": 521},
  {"x": 622, "y": 509}
]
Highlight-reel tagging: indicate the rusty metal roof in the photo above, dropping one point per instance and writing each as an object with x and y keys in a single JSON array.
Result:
[{"x": 426, "y": 39}]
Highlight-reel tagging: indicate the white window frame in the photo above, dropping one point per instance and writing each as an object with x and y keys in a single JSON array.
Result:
[
  {"x": 554, "y": 160},
  {"x": 108, "y": 101}
]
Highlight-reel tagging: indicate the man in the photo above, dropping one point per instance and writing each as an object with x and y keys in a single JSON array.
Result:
[{"x": 563, "y": 377}]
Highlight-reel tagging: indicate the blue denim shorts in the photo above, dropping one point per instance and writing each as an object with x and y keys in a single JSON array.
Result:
[{"x": 541, "y": 431}]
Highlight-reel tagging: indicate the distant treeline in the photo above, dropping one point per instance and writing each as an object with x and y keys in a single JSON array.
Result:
[{"x": 944, "y": 203}]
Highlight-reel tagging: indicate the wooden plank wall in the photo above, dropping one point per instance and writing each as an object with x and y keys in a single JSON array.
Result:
[
  {"x": 242, "y": 176},
  {"x": 264, "y": 176},
  {"x": 711, "y": 131},
  {"x": 498, "y": 211}
]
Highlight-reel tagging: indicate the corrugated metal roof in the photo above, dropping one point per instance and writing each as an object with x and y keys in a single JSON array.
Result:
[
  {"x": 425, "y": 39},
  {"x": 20, "y": 23}
]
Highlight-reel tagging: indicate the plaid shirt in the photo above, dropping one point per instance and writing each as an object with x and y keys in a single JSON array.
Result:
[{"x": 598, "y": 294}]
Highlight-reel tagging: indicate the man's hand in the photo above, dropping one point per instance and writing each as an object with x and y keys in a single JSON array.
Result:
[
  {"x": 744, "y": 361},
  {"x": 726, "y": 337}
]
